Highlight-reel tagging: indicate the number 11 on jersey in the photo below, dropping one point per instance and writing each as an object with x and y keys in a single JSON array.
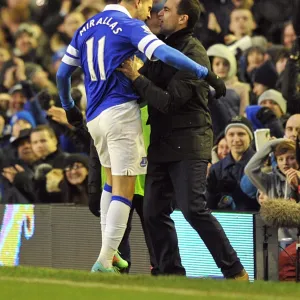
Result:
[{"x": 100, "y": 54}]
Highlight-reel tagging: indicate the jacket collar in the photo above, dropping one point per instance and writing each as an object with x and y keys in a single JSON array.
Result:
[
  {"x": 177, "y": 37},
  {"x": 228, "y": 161}
]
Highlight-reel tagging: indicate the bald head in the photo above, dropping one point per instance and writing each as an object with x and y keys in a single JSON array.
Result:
[{"x": 292, "y": 128}]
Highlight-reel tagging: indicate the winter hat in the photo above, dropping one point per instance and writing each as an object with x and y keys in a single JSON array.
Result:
[
  {"x": 222, "y": 51},
  {"x": 274, "y": 96},
  {"x": 23, "y": 115},
  {"x": 219, "y": 137},
  {"x": 242, "y": 122},
  {"x": 266, "y": 75},
  {"x": 16, "y": 88},
  {"x": 71, "y": 159}
]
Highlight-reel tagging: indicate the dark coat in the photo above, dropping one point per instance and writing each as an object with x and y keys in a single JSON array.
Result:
[
  {"x": 224, "y": 180},
  {"x": 177, "y": 105}
]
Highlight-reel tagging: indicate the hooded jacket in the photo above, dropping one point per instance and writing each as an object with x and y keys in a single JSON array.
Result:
[
  {"x": 273, "y": 184},
  {"x": 231, "y": 81}
]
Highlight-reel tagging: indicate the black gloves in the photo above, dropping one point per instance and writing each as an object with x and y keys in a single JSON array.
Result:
[
  {"x": 217, "y": 83},
  {"x": 27, "y": 89},
  {"x": 265, "y": 115},
  {"x": 75, "y": 117}
]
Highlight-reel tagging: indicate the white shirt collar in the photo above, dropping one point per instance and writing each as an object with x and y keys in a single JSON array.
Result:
[{"x": 118, "y": 8}]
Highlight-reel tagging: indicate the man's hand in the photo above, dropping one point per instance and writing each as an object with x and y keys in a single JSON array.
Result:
[
  {"x": 58, "y": 115},
  {"x": 130, "y": 68},
  {"x": 217, "y": 83},
  {"x": 11, "y": 172}
]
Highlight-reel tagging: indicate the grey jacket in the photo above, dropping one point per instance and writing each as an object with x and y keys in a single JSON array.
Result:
[{"x": 273, "y": 184}]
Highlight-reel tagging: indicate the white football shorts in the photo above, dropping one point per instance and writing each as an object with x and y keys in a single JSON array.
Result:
[{"x": 118, "y": 137}]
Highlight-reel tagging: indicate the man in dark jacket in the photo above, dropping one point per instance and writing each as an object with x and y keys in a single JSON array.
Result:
[
  {"x": 180, "y": 145},
  {"x": 223, "y": 181}
]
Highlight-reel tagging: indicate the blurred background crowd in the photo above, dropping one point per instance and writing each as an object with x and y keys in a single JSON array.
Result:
[{"x": 253, "y": 45}]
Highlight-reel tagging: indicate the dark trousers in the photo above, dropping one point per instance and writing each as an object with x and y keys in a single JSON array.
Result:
[
  {"x": 186, "y": 180},
  {"x": 124, "y": 247}
]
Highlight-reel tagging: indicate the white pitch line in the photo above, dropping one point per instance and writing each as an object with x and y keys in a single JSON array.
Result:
[{"x": 134, "y": 288}]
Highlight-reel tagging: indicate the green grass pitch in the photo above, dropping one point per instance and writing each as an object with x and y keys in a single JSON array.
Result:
[{"x": 31, "y": 283}]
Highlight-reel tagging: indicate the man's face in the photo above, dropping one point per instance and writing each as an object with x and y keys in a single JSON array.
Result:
[
  {"x": 17, "y": 101},
  {"x": 25, "y": 152},
  {"x": 169, "y": 18},
  {"x": 25, "y": 43},
  {"x": 238, "y": 140},
  {"x": 241, "y": 22},
  {"x": 42, "y": 143},
  {"x": 220, "y": 67},
  {"x": 273, "y": 106},
  {"x": 143, "y": 10},
  {"x": 287, "y": 161},
  {"x": 292, "y": 129}
]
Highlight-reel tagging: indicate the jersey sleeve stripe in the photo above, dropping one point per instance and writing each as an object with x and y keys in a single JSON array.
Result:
[
  {"x": 145, "y": 41},
  {"x": 71, "y": 61},
  {"x": 152, "y": 47},
  {"x": 71, "y": 50}
]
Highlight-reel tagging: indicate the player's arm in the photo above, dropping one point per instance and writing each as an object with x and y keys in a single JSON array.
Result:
[
  {"x": 152, "y": 47},
  {"x": 69, "y": 64}
]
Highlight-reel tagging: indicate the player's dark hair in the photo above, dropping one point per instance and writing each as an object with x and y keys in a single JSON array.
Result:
[{"x": 192, "y": 8}]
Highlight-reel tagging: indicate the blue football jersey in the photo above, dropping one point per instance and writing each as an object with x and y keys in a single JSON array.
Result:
[{"x": 99, "y": 47}]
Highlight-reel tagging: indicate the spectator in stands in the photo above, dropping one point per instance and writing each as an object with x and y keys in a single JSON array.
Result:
[
  {"x": 20, "y": 121},
  {"x": 4, "y": 102},
  {"x": 278, "y": 183},
  {"x": 273, "y": 112},
  {"x": 265, "y": 78},
  {"x": 39, "y": 78},
  {"x": 225, "y": 66},
  {"x": 45, "y": 146},
  {"x": 289, "y": 35},
  {"x": 71, "y": 182},
  {"x": 290, "y": 83},
  {"x": 223, "y": 181},
  {"x": 241, "y": 24},
  {"x": 292, "y": 128},
  {"x": 18, "y": 173},
  {"x": 75, "y": 184},
  {"x": 220, "y": 149}
]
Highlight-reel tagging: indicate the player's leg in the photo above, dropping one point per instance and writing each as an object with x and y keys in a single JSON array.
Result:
[
  {"x": 98, "y": 130},
  {"x": 117, "y": 217},
  {"x": 127, "y": 156},
  {"x": 189, "y": 181},
  {"x": 105, "y": 200}
]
